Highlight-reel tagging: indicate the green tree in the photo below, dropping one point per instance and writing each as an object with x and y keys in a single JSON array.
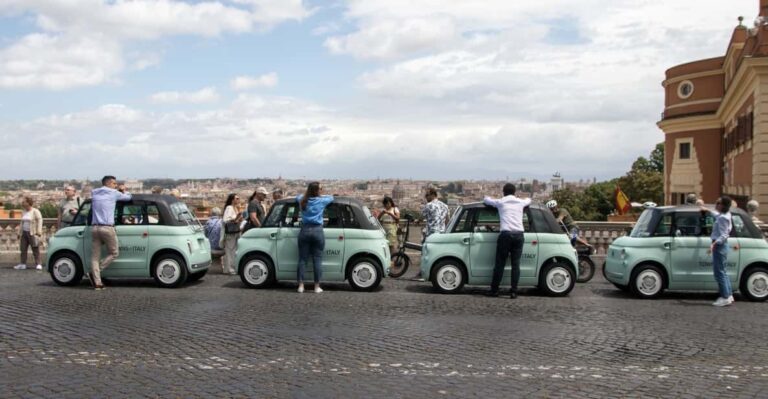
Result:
[
  {"x": 657, "y": 158},
  {"x": 48, "y": 210}
]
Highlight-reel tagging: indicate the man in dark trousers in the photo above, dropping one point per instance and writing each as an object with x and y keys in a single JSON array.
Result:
[{"x": 510, "y": 241}]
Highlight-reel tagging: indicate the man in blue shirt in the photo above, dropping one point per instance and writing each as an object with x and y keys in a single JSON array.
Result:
[
  {"x": 719, "y": 248},
  {"x": 103, "y": 227}
]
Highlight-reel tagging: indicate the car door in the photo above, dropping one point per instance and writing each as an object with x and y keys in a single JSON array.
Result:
[
  {"x": 287, "y": 241},
  {"x": 688, "y": 249},
  {"x": 132, "y": 239},
  {"x": 484, "y": 236},
  {"x": 335, "y": 241}
]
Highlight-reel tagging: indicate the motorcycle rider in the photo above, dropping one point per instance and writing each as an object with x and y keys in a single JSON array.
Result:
[{"x": 563, "y": 216}]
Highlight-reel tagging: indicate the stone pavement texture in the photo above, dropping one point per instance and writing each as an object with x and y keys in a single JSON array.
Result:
[{"x": 215, "y": 338}]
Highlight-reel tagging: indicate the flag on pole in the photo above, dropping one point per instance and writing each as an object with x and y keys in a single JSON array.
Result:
[{"x": 622, "y": 202}]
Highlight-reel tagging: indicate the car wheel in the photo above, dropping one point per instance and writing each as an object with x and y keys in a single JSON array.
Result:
[
  {"x": 196, "y": 276},
  {"x": 754, "y": 284},
  {"x": 364, "y": 275},
  {"x": 448, "y": 276},
  {"x": 647, "y": 281},
  {"x": 557, "y": 279},
  {"x": 586, "y": 269},
  {"x": 169, "y": 271},
  {"x": 66, "y": 269},
  {"x": 400, "y": 265},
  {"x": 257, "y": 271}
]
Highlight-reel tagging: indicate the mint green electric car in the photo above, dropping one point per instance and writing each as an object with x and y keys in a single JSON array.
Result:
[
  {"x": 466, "y": 253},
  {"x": 157, "y": 235},
  {"x": 355, "y": 247},
  {"x": 669, "y": 249}
]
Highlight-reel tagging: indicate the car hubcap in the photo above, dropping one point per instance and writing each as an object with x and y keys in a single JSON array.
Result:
[
  {"x": 558, "y": 279},
  {"x": 648, "y": 282},
  {"x": 256, "y": 272},
  {"x": 449, "y": 277},
  {"x": 758, "y": 284},
  {"x": 168, "y": 271},
  {"x": 64, "y": 270},
  {"x": 364, "y": 274}
]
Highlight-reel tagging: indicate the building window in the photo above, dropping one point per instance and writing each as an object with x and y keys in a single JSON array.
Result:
[
  {"x": 685, "y": 150},
  {"x": 685, "y": 89}
]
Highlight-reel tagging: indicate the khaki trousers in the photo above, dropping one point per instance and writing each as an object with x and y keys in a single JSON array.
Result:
[
  {"x": 230, "y": 251},
  {"x": 102, "y": 235},
  {"x": 24, "y": 244}
]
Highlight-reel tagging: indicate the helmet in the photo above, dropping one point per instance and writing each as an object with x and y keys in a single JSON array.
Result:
[
  {"x": 551, "y": 204},
  {"x": 649, "y": 204}
]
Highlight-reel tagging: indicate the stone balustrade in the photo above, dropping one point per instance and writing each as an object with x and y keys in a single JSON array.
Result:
[{"x": 9, "y": 234}]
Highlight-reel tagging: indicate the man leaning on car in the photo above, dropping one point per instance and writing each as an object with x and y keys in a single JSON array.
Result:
[{"x": 103, "y": 227}]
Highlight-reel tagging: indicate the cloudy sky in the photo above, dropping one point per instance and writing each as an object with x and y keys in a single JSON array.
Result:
[{"x": 434, "y": 89}]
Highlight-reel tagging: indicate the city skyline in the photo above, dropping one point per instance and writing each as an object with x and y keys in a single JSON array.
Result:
[{"x": 359, "y": 89}]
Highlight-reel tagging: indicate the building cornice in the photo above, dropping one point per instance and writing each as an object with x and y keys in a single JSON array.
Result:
[
  {"x": 690, "y": 123},
  {"x": 689, "y": 76},
  {"x": 697, "y": 102},
  {"x": 742, "y": 85}
]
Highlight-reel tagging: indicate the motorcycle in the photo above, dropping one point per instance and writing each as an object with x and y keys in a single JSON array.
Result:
[{"x": 586, "y": 264}]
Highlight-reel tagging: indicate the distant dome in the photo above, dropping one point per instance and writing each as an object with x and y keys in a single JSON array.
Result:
[{"x": 398, "y": 193}]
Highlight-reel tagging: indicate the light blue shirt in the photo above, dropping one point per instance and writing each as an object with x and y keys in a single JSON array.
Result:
[
  {"x": 722, "y": 228},
  {"x": 313, "y": 213},
  {"x": 103, "y": 205}
]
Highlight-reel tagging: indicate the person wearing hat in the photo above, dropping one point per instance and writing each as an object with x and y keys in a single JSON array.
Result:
[{"x": 256, "y": 211}]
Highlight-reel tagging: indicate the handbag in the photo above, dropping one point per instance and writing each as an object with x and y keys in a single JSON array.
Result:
[
  {"x": 34, "y": 241},
  {"x": 231, "y": 228}
]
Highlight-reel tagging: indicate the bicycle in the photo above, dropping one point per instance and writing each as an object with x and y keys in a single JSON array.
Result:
[{"x": 400, "y": 260}]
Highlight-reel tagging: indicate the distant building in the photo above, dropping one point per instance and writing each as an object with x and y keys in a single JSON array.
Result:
[{"x": 715, "y": 121}]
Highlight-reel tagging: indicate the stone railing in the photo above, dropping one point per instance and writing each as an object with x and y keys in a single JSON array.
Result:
[
  {"x": 602, "y": 234},
  {"x": 9, "y": 234}
]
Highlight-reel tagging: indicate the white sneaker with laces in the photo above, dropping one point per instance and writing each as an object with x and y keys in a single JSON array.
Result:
[
  {"x": 20, "y": 266},
  {"x": 318, "y": 290},
  {"x": 39, "y": 267},
  {"x": 722, "y": 302}
]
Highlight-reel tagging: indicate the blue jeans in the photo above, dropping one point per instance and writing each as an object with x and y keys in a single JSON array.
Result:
[
  {"x": 311, "y": 243},
  {"x": 719, "y": 256}
]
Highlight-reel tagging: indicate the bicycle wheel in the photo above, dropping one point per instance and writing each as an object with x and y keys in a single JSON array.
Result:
[{"x": 400, "y": 263}]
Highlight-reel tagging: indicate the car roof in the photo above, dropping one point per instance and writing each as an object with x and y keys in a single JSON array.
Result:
[
  {"x": 336, "y": 200},
  {"x": 686, "y": 207},
  {"x": 157, "y": 198},
  {"x": 482, "y": 205}
]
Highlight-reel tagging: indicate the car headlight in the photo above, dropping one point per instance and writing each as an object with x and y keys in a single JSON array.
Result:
[
  {"x": 189, "y": 246},
  {"x": 623, "y": 254},
  {"x": 424, "y": 250}
]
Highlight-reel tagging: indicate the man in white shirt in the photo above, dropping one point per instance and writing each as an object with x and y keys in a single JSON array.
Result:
[{"x": 510, "y": 241}]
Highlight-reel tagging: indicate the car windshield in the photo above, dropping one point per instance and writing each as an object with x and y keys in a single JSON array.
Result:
[
  {"x": 370, "y": 217},
  {"x": 454, "y": 217},
  {"x": 182, "y": 214},
  {"x": 643, "y": 226}
]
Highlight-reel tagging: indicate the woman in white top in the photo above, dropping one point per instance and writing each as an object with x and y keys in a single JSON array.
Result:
[
  {"x": 232, "y": 216},
  {"x": 30, "y": 233}
]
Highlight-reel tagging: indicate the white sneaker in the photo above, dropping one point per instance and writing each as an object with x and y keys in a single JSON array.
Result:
[
  {"x": 301, "y": 289},
  {"x": 731, "y": 300},
  {"x": 318, "y": 290},
  {"x": 20, "y": 266},
  {"x": 722, "y": 302},
  {"x": 39, "y": 267}
]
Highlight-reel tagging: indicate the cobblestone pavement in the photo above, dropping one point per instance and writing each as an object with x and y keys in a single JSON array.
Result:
[{"x": 215, "y": 338}]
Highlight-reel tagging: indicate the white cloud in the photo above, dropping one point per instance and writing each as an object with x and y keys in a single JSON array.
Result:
[
  {"x": 204, "y": 95},
  {"x": 251, "y": 82},
  {"x": 81, "y": 42},
  {"x": 59, "y": 61}
]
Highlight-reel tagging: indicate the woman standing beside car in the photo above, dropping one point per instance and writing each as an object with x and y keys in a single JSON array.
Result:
[
  {"x": 311, "y": 236},
  {"x": 30, "y": 233},
  {"x": 389, "y": 218},
  {"x": 230, "y": 231}
]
